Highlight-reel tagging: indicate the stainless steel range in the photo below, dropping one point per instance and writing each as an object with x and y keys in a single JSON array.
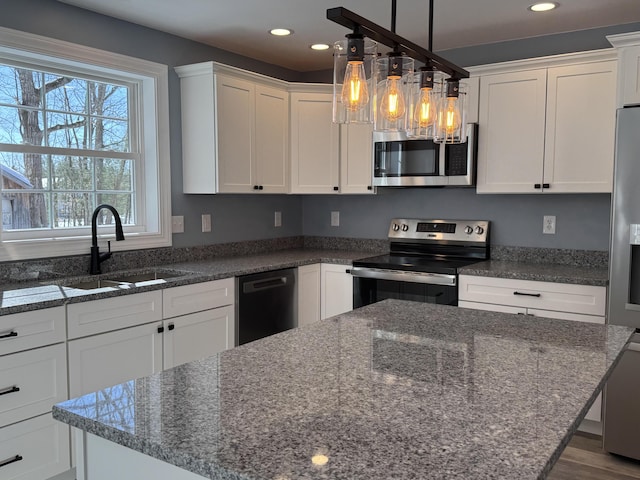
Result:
[{"x": 423, "y": 261}]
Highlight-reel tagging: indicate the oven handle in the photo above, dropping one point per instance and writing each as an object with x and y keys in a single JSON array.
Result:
[{"x": 405, "y": 276}]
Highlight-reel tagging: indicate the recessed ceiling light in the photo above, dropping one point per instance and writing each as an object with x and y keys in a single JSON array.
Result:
[
  {"x": 280, "y": 32},
  {"x": 542, "y": 6},
  {"x": 319, "y": 46}
]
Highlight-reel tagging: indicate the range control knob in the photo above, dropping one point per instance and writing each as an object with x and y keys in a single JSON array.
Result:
[
  {"x": 396, "y": 227},
  {"x": 479, "y": 230},
  {"x": 468, "y": 230},
  {"x": 405, "y": 227}
]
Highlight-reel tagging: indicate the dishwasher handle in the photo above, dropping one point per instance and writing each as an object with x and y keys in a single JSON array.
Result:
[{"x": 266, "y": 284}]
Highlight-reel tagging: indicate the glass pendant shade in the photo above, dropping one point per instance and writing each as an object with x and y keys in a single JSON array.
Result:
[
  {"x": 452, "y": 113},
  {"x": 425, "y": 104},
  {"x": 353, "y": 74},
  {"x": 393, "y": 93}
]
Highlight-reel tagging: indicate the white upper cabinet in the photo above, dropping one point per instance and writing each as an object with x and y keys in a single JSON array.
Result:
[
  {"x": 356, "y": 158},
  {"x": 548, "y": 129},
  {"x": 314, "y": 144},
  {"x": 235, "y": 131},
  {"x": 628, "y": 48}
]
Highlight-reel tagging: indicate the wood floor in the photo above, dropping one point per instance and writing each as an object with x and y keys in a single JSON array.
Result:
[{"x": 584, "y": 459}]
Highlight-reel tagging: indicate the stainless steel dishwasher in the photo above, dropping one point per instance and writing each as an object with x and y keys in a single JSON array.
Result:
[{"x": 265, "y": 304}]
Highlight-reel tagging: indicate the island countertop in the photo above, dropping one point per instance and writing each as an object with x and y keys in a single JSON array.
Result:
[{"x": 393, "y": 390}]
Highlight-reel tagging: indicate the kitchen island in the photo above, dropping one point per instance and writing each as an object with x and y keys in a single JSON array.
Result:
[{"x": 392, "y": 390}]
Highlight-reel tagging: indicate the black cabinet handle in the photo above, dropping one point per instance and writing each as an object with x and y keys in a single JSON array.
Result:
[
  {"x": 537, "y": 185},
  {"x": 9, "y": 335},
  {"x": 8, "y": 390},
  {"x": 8, "y": 461},
  {"x": 369, "y": 187},
  {"x": 160, "y": 329},
  {"x": 335, "y": 189},
  {"x": 255, "y": 187},
  {"x": 527, "y": 294},
  {"x": 348, "y": 270},
  {"x": 171, "y": 326},
  {"x": 546, "y": 185},
  {"x": 260, "y": 187}
]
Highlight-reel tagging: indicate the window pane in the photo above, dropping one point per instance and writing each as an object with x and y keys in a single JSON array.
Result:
[
  {"x": 72, "y": 209},
  {"x": 20, "y": 126},
  {"x": 66, "y": 130},
  {"x": 24, "y": 171},
  {"x": 122, "y": 202},
  {"x": 19, "y": 86},
  {"x": 110, "y": 135},
  {"x": 72, "y": 173},
  {"x": 109, "y": 100},
  {"x": 25, "y": 210},
  {"x": 114, "y": 174},
  {"x": 65, "y": 94}
]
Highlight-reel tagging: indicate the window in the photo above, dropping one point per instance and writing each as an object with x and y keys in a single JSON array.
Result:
[{"x": 79, "y": 127}]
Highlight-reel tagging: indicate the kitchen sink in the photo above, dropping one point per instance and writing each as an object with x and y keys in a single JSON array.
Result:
[{"x": 125, "y": 280}]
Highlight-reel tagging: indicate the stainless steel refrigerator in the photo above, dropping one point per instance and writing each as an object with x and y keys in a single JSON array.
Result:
[{"x": 622, "y": 393}]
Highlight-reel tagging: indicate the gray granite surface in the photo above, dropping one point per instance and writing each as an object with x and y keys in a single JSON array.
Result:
[
  {"x": 396, "y": 389},
  {"x": 544, "y": 272},
  {"x": 552, "y": 256},
  {"x": 26, "y": 296}
]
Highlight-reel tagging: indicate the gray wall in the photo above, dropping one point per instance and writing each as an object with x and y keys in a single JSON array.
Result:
[{"x": 583, "y": 220}]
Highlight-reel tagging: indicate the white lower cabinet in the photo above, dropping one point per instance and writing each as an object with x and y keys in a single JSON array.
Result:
[
  {"x": 34, "y": 449},
  {"x": 583, "y": 303},
  {"x": 336, "y": 290},
  {"x": 308, "y": 294}
]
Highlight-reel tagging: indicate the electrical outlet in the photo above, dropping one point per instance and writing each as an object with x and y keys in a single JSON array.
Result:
[
  {"x": 177, "y": 224},
  {"x": 277, "y": 219},
  {"x": 335, "y": 219},
  {"x": 549, "y": 224},
  {"x": 206, "y": 222}
]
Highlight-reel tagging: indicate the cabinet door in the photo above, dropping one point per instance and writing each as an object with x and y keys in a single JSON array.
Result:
[
  {"x": 111, "y": 358},
  {"x": 198, "y": 335},
  {"x": 235, "y": 114},
  {"x": 308, "y": 294},
  {"x": 272, "y": 140},
  {"x": 336, "y": 291},
  {"x": 356, "y": 158},
  {"x": 314, "y": 144},
  {"x": 511, "y": 134},
  {"x": 630, "y": 71},
  {"x": 580, "y": 131}
]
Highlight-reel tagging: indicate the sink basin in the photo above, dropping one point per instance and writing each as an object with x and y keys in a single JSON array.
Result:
[
  {"x": 125, "y": 280},
  {"x": 95, "y": 284}
]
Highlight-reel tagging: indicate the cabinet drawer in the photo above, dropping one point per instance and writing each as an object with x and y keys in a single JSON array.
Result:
[
  {"x": 40, "y": 447},
  {"x": 22, "y": 331},
  {"x": 561, "y": 297},
  {"x": 98, "y": 316},
  {"x": 197, "y": 297},
  {"x": 32, "y": 381}
]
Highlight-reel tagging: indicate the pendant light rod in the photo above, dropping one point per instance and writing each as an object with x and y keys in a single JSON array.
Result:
[
  {"x": 393, "y": 16},
  {"x": 352, "y": 21},
  {"x": 430, "y": 41}
]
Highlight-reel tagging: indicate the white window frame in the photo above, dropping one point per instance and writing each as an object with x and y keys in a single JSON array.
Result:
[{"x": 154, "y": 179}]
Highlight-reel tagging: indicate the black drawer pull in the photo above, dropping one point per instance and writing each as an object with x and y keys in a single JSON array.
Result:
[
  {"x": 260, "y": 187},
  {"x": 171, "y": 326},
  {"x": 11, "y": 460},
  {"x": 546, "y": 185},
  {"x": 369, "y": 187},
  {"x": 160, "y": 329},
  {"x": 255, "y": 187},
  {"x": 8, "y": 390},
  {"x": 527, "y": 294},
  {"x": 9, "y": 335},
  {"x": 537, "y": 185},
  {"x": 335, "y": 189}
]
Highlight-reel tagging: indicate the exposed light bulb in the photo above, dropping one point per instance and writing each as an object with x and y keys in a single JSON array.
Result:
[
  {"x": 451, "y": 118},
  {"x": 355, "y": 93},
  {"x": 392, "y": 106}
]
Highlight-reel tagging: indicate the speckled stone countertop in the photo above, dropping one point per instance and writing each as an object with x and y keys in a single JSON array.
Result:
[
  {"x": 392, "y": 390},
  {"x": 545, "y": 272},
  {"x": 26, "y": 296}
]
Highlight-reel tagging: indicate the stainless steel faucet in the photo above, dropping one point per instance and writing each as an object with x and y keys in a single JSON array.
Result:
[{"x": 96, "y": 257}]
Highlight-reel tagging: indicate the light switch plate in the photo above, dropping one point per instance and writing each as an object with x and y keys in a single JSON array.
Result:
[
  {"x": 335, "y": 219},
  {"x": 277, "y": 219},
  {"x": 177, "y": 224},
  {"x": 206, "y": 222}
]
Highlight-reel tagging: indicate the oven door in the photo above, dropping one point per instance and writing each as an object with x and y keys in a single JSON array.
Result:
[{"x": 372, "y": 285}]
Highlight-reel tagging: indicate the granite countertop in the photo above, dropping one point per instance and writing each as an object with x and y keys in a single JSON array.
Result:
[
  {"x": 544, "y": 272},
  {"x": 393, "y": 390},
  {"x": 27, "y": 296}
]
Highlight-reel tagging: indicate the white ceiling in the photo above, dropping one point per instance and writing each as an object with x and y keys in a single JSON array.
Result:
[{"x": 241, "y": 26}]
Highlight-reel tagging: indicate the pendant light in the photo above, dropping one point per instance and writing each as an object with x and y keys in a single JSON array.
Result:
[
  {"x": 401, "y": 80},
  {"x": 353, "y": 70},
  {"x": 452, "y": 112}
]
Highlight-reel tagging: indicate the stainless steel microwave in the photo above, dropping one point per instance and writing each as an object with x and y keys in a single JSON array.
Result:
[{"x": 400, "y": 161}]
